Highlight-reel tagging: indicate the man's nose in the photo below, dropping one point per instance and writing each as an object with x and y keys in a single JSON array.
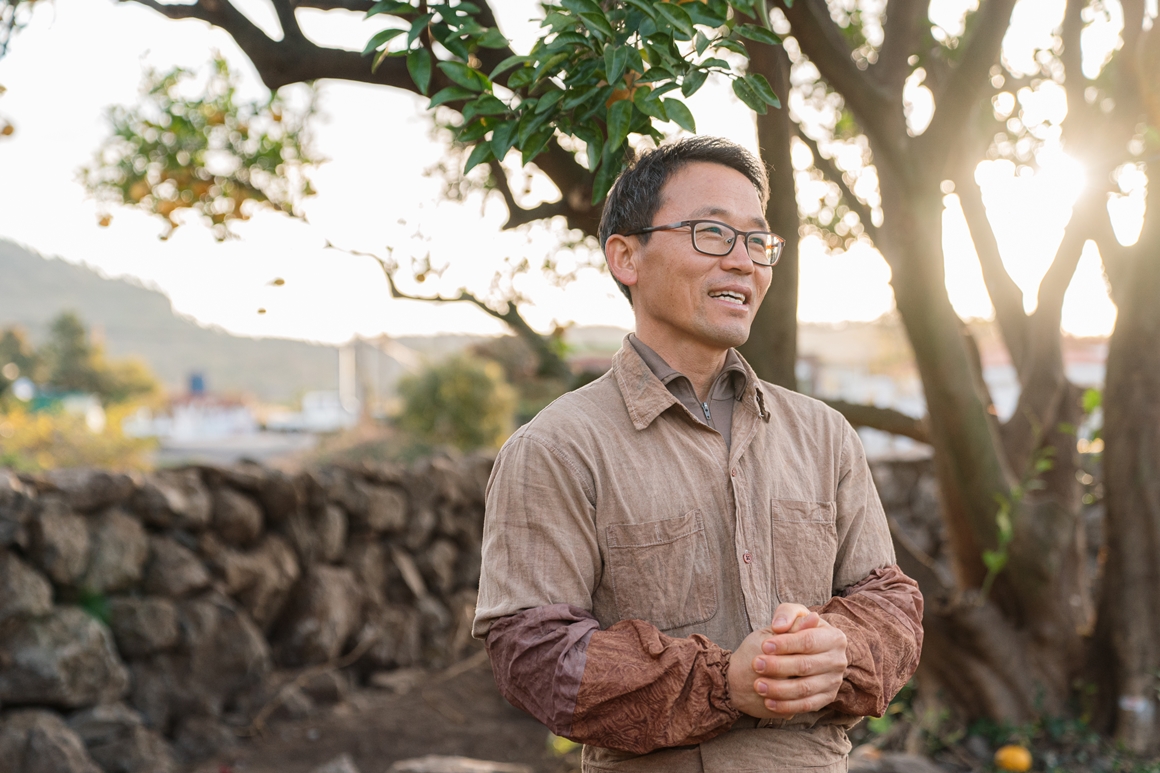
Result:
[{"x": 737, "y": 259}]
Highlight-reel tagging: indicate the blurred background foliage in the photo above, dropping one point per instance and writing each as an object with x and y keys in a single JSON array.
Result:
[
  {"x": 38, "y": 427},
  {"x": 463, "y": 401},
  {"x": 191, "y": 143}
]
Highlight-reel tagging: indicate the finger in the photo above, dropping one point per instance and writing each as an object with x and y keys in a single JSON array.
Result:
[
  {"x": 809, "y": 641},
  {"x": 812, "y": 620},
  {"x": 804, "y": 706},
  {"x": 790, "y": 666},
  {"x": 798, "y": 689},
  {"x": 785, "y": 615}
]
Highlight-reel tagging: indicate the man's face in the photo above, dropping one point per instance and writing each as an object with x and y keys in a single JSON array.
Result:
[{"x": 683, "y": 298}]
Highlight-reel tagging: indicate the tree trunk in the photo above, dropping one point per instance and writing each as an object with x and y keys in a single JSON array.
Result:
[
  {"x": 1013, "y": 654},
  {"x": 772, "y": 345},
  {"x": 1129, "y": 627}
]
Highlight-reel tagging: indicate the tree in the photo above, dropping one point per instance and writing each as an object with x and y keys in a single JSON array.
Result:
[
  {"x": 462, "y": 402},
  {"x": 71, "y": 362},
  {"x": 17, "y": 357},
  {"x": 1005, "y": 637}
]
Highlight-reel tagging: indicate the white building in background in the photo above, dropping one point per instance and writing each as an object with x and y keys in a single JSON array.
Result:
[
  {"x": 193, "y": 418},
  {"x": 368, "y": 379}
]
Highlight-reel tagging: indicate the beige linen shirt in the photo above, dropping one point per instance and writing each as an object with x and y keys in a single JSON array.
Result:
[{"x": 617, "y": 500}]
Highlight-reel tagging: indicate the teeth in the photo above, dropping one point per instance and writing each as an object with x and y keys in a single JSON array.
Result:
[{"x": 729, "y": 296}]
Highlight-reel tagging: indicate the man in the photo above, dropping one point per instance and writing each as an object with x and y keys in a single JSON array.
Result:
[{"x": 685, "y": 568}]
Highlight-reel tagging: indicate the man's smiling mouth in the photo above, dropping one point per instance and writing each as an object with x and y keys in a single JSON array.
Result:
[{"x": 730, "y": 296}]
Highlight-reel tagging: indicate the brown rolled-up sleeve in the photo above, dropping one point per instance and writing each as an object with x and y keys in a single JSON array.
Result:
[
  {"x": 643, "y": 690},
  {"x": 882, "y": 619},
  {"x": 629, "y": 687}
]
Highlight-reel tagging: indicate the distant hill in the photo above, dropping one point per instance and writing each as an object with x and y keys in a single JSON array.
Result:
[{"x": 139, "y": 322}]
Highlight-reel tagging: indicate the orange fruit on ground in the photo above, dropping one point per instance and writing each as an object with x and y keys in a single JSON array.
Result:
[{"x": 1014, "y": 758}]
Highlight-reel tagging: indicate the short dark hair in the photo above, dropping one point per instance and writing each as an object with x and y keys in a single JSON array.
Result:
[{"x": 636, "y": 195}]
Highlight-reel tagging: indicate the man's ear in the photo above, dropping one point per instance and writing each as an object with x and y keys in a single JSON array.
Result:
[{"x": 622, "y": 254}]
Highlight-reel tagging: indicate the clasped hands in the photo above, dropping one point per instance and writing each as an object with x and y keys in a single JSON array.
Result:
[{"x": 793, "y": 666}]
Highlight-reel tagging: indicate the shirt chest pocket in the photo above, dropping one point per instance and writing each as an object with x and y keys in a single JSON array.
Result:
[
  {"x": 662, "y": 571},
  {"x": 805, "y": 546}
]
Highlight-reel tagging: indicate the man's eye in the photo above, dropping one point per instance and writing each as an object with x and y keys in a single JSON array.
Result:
[{"x": 712, "y": 230}]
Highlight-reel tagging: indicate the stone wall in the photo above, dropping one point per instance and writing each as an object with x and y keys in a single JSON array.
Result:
[{"x": 146, "y": 621}]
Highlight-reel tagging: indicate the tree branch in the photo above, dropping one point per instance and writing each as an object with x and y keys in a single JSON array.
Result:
[
  {"x": 518, "y": 215},
  {"x": 901, "y": 35},
  {"x": 1005, "y": 294},
  {"x": 287, "y": 20},
  {"x": 831, "y": 172},
  {"x": 822, "y": 41},
  {"x": 958, "y": 98},
  {"x": 885, "y": 419},
  {"x": 550, "y": 363},
  {"x": 298, "y": 60}
]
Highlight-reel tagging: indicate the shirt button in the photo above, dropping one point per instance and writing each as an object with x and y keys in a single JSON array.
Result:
[
  {"x": 733, "y": 472},
  {"x": 747, "y": 557}
]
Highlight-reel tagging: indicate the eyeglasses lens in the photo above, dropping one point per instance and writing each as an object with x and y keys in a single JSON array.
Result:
[{"x": 715, "y": 239}]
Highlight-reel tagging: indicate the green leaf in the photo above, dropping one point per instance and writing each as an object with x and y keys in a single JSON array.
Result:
[
  {"x": 418, "y": 26},
  {"x": 577, "y": 97},
  {"x": 729, "y": 44},
  {"x": 747, "y": 95},
  {"x": 635, "y": 60},
  {"x": 456, "y": 44},
  {"x": 648, "y": 102},
  {"x": 548, "y": 101},
  {"x": 676, "y": 16},
  {"x": 707, "y": 14},
  {"x": 449, "y": 94},
  {"x": 594, "y": 142},
  {"x": 550, "y": 65},
  {"x": 480, "y": 154},
  {"x": 529, "y": 123},
  {"x": 1092, "y": 399},
  {"x": 419, "y": 66},
  {"x": 493, "y": 38},
  {"x": 520, "y": 78},
  {"x": 760, "y": 85},
  {"x": 485, "y": 104},
  {"x": 760, "y": 34},
  {"x": 583, "y": 6},
  {"x": 465, "y": 76},
  {"x": 507, "y": 64},
  {"x": 380, "y": 38},
  {"x": 692, "y": 82},
  {"x": 615, "y": 60},
  {"x": 994, "y": 560},
  {"x": 619, "y": 118},
  {"x": 700, "y": 42},
  {"x": 680, "y": 114},
  {"x": 610, "y": 163},
  {"x": 503, "y": 137},
  {"x": 644, "y": 7},
  {"x": 472, "y": 132},
  {"x": 389, "y": 6},
  {"x": 535, "y": 144},
  {"x": 598, "y": 24}
]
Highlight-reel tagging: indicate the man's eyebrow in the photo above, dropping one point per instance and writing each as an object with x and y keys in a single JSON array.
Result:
[{"x": 718, "y": 212}]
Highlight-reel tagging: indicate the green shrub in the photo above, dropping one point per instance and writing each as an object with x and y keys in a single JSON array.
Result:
[{"x": 462, "y": 401}]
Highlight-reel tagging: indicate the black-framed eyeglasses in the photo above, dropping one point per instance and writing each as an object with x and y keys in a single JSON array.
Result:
[{"x": 712, "y": 237}]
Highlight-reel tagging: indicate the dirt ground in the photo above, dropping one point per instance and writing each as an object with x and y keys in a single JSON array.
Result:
[{"x": 454, "y": 714}]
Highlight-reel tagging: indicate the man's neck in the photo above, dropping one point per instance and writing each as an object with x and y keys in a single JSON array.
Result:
[{"x": 700, "y": 364}]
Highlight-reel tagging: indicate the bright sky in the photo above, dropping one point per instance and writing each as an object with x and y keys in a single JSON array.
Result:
[{"x": 79, "y": 56}]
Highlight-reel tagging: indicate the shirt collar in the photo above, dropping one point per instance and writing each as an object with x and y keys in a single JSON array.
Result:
[{"x": 644, "y": 388}]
